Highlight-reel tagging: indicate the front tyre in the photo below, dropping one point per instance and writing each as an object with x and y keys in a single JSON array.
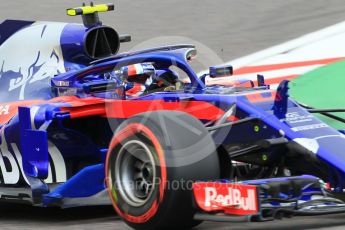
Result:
[{"x": 152, "y": 162}]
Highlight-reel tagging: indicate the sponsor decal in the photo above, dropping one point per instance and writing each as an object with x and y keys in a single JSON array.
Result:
[
  {"x": 62, "y": 83},
  {"x": 309, "y": 127},
  {"x": 233, "y": 199},
  {"x": 4, "y": 109},
  {"x": 11, "y": 165},
  {"x": 295, "y": 117},
  {"x": 39, "y": 61}
]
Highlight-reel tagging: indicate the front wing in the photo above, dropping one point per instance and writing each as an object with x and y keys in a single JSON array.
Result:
[{"x": 264, "y": 199}]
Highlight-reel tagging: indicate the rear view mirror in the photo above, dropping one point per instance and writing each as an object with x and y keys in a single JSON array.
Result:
[
  {"x": 221, "y": 71},
  {"x": 125, "y": 38}
]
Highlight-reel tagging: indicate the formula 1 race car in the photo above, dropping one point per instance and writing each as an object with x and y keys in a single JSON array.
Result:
[{"x": 83, "y": 125}]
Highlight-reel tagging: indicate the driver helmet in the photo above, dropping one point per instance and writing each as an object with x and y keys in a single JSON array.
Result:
[
  {"x": 162, "y": 79},
  {"x": 138, "y": 73}
]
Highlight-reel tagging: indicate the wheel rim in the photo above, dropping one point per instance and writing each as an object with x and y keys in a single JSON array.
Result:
[{"x": 135, "y": 172}]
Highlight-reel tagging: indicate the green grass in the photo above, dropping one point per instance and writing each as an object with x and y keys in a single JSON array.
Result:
[{"x": 322, "y": 88}]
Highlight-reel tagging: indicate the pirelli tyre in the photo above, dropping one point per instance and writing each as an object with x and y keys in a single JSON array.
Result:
[{"x": 152, "y": 162}]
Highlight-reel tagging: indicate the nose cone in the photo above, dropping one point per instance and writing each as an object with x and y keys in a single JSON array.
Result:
[
  {"x": 332, "y": 150},
  {"x": 315, "y": 136}
]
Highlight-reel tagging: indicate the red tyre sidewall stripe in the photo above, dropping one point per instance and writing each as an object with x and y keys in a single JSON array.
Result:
[{"x": 128, "y": 131}]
